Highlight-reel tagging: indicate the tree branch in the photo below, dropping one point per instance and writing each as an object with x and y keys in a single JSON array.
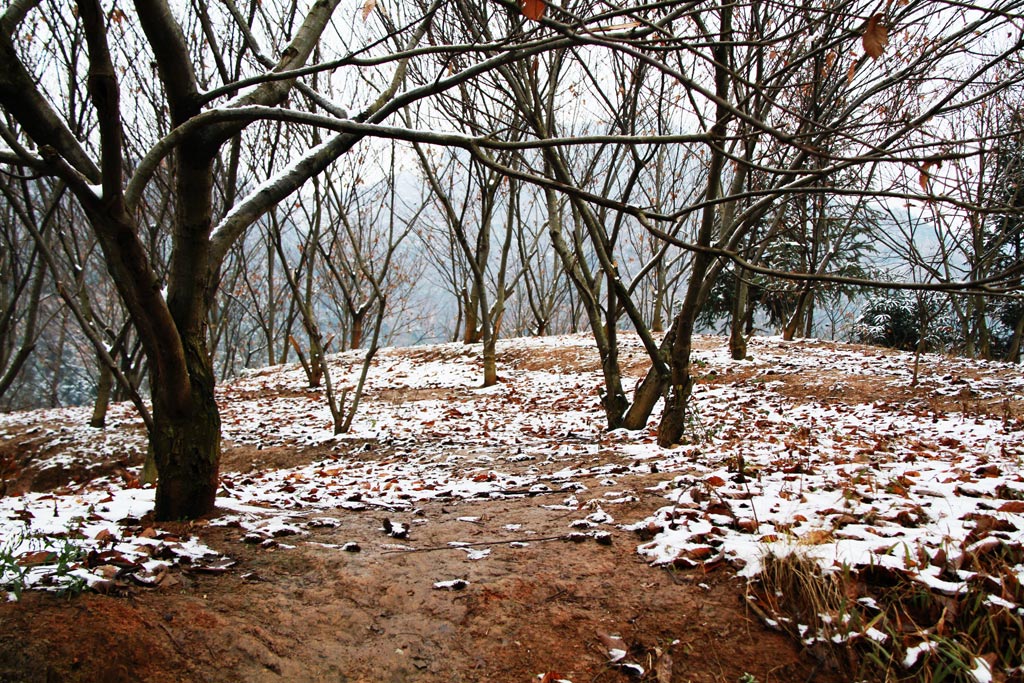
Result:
[
  {"x": 103, "y": 89},
  {"x": 20, "y": 96},
  {"x": 14, "y": 15},
  {"x": 172, "y": 58}
]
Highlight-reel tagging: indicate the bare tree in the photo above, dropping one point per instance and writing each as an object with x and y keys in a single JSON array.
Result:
[
  {"x": 578, "y": 81},
  {"x": 185, "y": 438}
]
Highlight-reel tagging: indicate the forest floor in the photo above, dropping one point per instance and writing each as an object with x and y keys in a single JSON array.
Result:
[{"x": 467, "y": 534}]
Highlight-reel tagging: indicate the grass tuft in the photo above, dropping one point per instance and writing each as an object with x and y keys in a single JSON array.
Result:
[{"x": 880, "y": 623}]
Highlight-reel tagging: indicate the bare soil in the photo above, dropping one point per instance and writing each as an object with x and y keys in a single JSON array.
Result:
[
  {"x": 313, "y": 612},
  {"x": 306, "y": 610}
]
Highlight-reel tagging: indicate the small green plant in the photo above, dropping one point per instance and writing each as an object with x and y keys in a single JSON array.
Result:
[
  {"x": 696, "y": 426},
  {"x": 747, "y": 677},
  {"x": 68, "y": 555},
  {"x": 62, "y": 554},
  {"x": 12, "y": 574}
]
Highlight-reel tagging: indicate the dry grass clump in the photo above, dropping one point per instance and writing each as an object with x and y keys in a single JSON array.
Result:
[{"x": 883, "y": 624}]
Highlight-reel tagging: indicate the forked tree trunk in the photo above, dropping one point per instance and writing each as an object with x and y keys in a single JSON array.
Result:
[
  {"x": 648, "y": 392},
  {"x": 796, "y": 320},
  {"x": 737, "y": 338},
  {"x": 186, "y": 444},
  {"x": 645, "y": 397},
  {"x": 673, "y": 419}
]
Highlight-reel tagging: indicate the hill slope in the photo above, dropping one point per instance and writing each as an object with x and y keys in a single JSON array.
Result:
[{"x": 545, "y": 522}]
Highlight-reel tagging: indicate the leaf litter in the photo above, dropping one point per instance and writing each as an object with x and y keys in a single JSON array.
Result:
[{"x": 806, "y": 447}]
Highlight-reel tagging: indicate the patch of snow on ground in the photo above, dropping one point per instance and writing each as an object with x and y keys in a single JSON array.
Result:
[{"x": 845, "y": 481}]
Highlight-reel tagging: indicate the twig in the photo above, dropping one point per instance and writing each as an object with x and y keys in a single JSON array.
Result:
[{"x": 563, "y": 537}]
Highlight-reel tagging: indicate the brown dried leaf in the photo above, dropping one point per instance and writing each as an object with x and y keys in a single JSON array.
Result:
[
  {"x": 663, "y": 669},
  {"x": 36, "y": 558},
  {"x": 532, "y": 9},
  {"x": 816, "y": 537},
  {"x": 699, "y": 554},
  {"x": 1016, "y": 506},
  {"x": 748, "y": 525},
  {"x": 852, "y": 72},
  {"x": 926, "y": 173},
  {"x": 875, "y": 38},
  {"x": 616, "y": 646},
  {"x": 368, "y": 8}
]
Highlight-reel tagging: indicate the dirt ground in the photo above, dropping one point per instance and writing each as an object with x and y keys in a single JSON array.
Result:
[
  {"x": 318, "y": 613},
  {"x": 302, "y": 608}
]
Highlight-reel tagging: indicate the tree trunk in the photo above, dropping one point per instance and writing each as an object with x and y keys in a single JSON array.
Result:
[
  {"x": 104, "y": 385},
  {"x": 471, "y": 334},
  {"x": 648, "y": 392},
  {"x": 186, "y": 444},
  {"x": 737, "y": 338},
  {"x": 645, "y": 397},
  {"x": 58, "y": 361},
  {"x": 984, "y": 347},
  {"x": 316, "y": 356},
  {"x": 1013, "y": 355},
  {"x": 490, "y": 361},
  {"x": 794, "y": 324},
  {"x": 658, "y": 317},
  {"x": 673, "y": 419},
  {"x": 356, "y": 336}
]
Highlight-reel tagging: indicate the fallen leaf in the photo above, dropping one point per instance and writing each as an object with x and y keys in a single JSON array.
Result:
[
  {"x": 663, "y": 669},
  {"x": 699, "y": 554},
  {"x": 36, "y": 558},
  {"x": 748, "y": 525},
  {"x": 988, "y": 471},
  {"x": 104, "y": 536},
  {"x": 816, "y": 537},
  {"x": 616, "y": 646}
]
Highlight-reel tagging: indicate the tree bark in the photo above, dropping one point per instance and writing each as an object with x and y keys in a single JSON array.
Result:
[
  {"x": 673, "y": 419},
  {"x": 104, "y": 386},
  {"x": 737, "y": 338},
  {"x": 794, "y": 324},
  {"x": 1013, "y": 355},
  {"x": 186, "y": 444}
]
